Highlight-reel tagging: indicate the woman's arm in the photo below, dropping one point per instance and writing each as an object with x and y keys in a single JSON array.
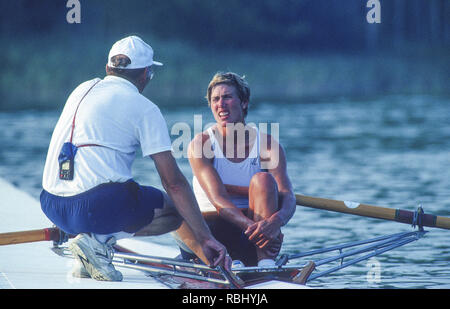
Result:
[{"x": 211, "y": 183}]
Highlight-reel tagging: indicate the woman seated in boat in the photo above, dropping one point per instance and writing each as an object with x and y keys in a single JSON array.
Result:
[{"x": 240, "y": 175}]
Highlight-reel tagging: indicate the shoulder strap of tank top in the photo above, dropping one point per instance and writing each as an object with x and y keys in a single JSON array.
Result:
[{"x": 255, "y": 152}]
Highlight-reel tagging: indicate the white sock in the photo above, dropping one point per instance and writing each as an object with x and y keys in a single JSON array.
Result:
[
  {"x": 266, "y": 263},
  {"x": 119, "y": 235}
]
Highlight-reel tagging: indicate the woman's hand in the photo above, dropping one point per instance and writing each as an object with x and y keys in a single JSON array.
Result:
[{"x": 263, "y": 232}]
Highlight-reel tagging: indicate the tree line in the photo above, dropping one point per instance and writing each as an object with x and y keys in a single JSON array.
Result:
[{"x": 263, "y": 24}]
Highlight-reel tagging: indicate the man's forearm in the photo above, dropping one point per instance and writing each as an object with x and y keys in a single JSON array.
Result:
[{"x": 186, "y": 205}]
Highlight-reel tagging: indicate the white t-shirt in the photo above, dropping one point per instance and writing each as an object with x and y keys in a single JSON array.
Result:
[{"x": 114, "y": 115}]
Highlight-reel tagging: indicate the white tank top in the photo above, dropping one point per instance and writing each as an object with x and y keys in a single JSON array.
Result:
[{"x": 238, "y": 174}]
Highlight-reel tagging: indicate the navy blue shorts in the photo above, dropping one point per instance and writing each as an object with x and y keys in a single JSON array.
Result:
[{"x": 105, "y": 209}]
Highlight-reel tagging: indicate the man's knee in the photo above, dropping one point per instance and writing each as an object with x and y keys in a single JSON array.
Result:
[
  {"x": 164, "y": 221},
  {"x": 161, "y": 224}
]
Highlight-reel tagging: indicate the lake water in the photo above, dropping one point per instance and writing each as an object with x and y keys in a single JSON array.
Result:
[{"x": 391, "y": 151}]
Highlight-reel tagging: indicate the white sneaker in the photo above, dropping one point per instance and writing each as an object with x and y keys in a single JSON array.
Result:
[
  {"x": 96, "y": 257},
  {"x": 237, "y": 264},
  {"x": 266, "y": 263},
  {"x": 78, "y": 270}
]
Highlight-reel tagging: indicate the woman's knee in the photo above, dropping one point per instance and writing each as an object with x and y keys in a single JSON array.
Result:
[{"x": 264, "y": 181}]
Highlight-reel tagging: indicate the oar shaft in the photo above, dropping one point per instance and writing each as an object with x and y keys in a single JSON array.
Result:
[
  {"x": 29, "y": 236},
  {"x": 398, "y": 215},
  {"x": 346, "y": 207},
  {"x": 443, "y": 222},
  {"x": 365, "y": 210}
]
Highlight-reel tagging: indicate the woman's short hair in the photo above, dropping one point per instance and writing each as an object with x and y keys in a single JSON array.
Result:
[{"x": 231, "y": 79}]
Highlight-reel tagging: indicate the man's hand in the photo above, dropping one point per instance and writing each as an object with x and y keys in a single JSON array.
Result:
[{"x": 216, "y": 253}]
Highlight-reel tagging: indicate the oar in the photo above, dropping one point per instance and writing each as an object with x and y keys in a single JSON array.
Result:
[
  {"x": 364, "y": 210},
  {"x": 398, "y": 215},
  {"x": 51, "y": 233}
]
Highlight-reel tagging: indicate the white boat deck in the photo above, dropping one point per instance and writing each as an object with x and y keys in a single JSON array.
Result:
[{"x": 35, "y": 266}]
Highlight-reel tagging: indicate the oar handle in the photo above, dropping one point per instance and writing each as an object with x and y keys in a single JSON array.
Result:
[
  {"x": 398, "y": 215},
  {"x": 30, "y": 236}
]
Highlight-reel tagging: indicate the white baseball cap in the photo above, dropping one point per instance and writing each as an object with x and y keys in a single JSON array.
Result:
[{"x": 139, "y": 52}]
